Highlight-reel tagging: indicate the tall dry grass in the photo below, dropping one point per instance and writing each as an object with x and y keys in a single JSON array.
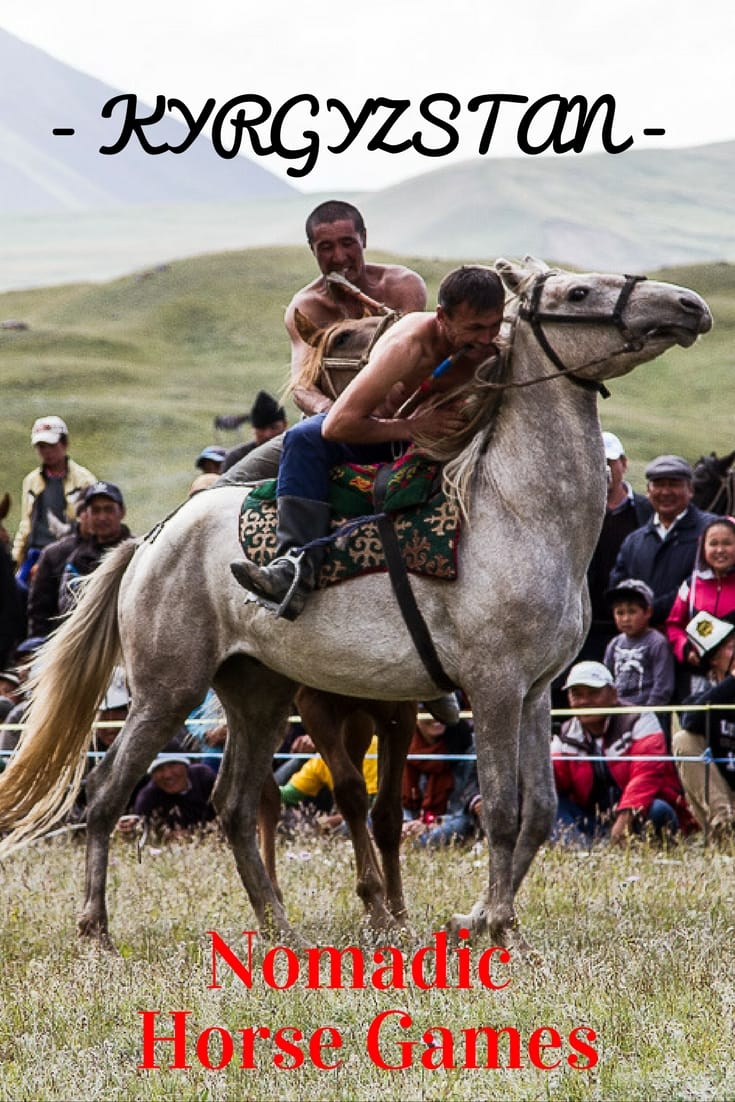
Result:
[{"x": 638, "y": 945}]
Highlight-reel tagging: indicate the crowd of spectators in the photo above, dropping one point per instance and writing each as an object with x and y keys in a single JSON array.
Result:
[
  {"x": 662, "y": 633},
  {"x": 661, "y": 582}
]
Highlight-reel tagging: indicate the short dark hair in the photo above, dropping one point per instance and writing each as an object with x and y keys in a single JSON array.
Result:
[
  {"x": 725, "y": 521},
  {"x": 334, "y": 210},
  {"x": 629, "y": 597},
  {"x": 481, "y": 288}
]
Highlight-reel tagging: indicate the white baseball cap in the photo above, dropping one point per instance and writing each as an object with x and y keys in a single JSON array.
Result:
[
  {"x": 117, "y": 695},
  {"x": 48, "y": 430},
  {"x": 613, "y": 447},
  {"x": 592, "y": 674}
]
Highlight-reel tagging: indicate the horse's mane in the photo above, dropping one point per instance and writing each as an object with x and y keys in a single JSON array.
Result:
[{"x": 461, "y": 451}]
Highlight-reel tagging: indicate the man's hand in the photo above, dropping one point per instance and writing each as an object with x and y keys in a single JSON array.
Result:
[
  {"x": 622, "y": 828},
  {"x": 216, "y": 736},
  {"x": 129, "y": 825},
  {"x": 437, "y": 421},
  {"x": 303, "y": 744}
]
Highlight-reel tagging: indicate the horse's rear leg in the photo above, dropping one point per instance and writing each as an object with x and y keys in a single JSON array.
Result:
[
  {"x": 345, "y": 761},
  {"x": 257, "y": 703},
  {"x": 269, "y": 813},
  {"x": 342, "y": 732},
  {"x": 396, "y": 730},
  {"x": 108, "y": 791}
]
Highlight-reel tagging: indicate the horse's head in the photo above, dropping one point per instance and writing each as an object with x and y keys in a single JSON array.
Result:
[
  {"x": 713, "y": 482},
  {"x": 349, "y": 338},
  {"x": 595, "y": 326},
  {"x": 339, "y": 350}
]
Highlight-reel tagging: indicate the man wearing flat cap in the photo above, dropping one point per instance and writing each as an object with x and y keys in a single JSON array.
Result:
[{"x": 662, "y": 552}]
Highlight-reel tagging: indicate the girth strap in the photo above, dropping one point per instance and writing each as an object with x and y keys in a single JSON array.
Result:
[{"x": 402, "y": 587}]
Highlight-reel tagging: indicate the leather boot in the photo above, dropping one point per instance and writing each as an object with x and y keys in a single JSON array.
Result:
[
  {"x": 444, "y": 708},
  {"x": 290, "y": 577}
]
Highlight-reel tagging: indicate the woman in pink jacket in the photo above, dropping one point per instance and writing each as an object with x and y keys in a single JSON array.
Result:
[{"x": 711, "y": 587}]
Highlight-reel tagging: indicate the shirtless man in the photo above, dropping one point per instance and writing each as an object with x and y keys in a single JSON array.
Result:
[
  {"x": 365, "y": 424},
  {"x": 336, "y": 235}
]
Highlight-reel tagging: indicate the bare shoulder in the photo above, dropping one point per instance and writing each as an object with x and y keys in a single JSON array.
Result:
[
  {"x": 312, "y": 302},
  {"x": 397, "y": 286},
  {"x": 411, "y": 341}
]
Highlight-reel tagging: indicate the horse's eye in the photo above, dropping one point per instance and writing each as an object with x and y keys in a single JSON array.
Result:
[
  {"x": 340, "y": 339},
  {"x": 577, "y": 294}
]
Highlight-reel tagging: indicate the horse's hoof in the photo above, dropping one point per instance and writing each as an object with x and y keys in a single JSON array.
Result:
[{"x": 94, "y": 931}]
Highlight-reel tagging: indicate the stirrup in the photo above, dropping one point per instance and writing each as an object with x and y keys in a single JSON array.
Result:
[{"x": 281, "y": 608}]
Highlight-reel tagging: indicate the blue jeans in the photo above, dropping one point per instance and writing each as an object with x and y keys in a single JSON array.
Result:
[
  {"x": 452, "y": 828},
  {"x": 308, "y": 458},
  {"x": 574, "y": 824}
]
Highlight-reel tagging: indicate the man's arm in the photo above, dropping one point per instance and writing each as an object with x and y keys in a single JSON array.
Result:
[{"x": 403, "y": 355}]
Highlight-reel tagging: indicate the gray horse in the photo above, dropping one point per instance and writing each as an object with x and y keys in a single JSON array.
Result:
[{"x": 530, "y": 474}]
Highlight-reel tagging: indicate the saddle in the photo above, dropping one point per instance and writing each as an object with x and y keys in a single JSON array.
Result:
[{"x": 426, "y": 524}]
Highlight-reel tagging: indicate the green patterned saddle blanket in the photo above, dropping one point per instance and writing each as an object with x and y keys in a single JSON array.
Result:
[{"x": 426, "y": 524}]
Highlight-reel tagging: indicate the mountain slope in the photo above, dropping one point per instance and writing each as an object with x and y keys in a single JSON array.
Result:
[
  {"x": 639, "y": 210},
  {"x": 41, "y": 172}
]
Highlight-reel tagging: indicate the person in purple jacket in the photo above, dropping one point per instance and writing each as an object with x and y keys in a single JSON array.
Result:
[
  {"x": 639, "y": 658},
  {"x": 177, "y": 796}
]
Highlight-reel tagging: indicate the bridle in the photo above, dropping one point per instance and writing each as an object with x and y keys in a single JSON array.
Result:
[
  {"x": 350, "y": 366},
  {"x": 530, "y": 311}
]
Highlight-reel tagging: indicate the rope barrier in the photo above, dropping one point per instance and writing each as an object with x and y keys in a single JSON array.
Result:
[{"x": 707, "y": 756}]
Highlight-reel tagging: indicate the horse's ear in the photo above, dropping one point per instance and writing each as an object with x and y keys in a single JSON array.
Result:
[
  {"x": 4, "y": 506},
  {"x": 512, "y": 274},
  {"x": 308, "y": 332}
]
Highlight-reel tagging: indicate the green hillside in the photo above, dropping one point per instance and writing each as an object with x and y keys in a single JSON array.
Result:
[{"x": 139, "y": 367}]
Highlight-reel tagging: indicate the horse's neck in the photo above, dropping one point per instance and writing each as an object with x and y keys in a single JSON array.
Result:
[{"x": 545, "y": 453}]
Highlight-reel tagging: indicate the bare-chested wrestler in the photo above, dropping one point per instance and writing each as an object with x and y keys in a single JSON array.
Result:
[
  {"x": 364, "y": 425},
  {"x": 337, "y": 237}
]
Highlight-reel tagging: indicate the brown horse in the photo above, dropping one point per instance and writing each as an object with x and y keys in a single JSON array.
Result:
[
  {"x": 714, "y": 483},
  {"x": 342, "y": 728}
]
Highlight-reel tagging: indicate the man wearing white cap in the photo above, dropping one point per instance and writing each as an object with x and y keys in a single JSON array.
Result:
[
  {"x": 54, "y": 487},
  {"x": 624, "y": 512},
  {"x": 601, "y": 786}
]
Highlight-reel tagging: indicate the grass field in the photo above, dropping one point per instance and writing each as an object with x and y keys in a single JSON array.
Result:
[
  {"x": 636, "y": 945},
  {"x": 140, "y": 366}
]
